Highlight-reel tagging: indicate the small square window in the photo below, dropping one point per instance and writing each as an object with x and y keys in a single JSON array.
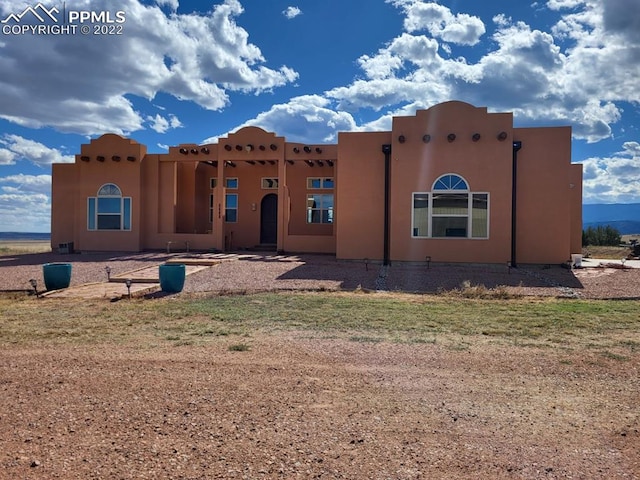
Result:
[
  {"x": 270, "y": 183},
  {"x": 231, "y": 183},
  {"x": 317, "y": 183}
]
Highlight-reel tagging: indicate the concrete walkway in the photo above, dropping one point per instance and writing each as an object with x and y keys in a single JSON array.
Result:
[
  {"x": 143, "y": 281},
  {"x": 599, "y": 262}
]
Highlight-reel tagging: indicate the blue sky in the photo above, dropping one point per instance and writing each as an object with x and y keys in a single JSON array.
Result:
[{"x": 190, "y": 71}]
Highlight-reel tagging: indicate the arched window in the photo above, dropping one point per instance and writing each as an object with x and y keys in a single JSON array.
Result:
[
  {"x": 109, "y": 210},
  {"x": 450, "y": 210}
]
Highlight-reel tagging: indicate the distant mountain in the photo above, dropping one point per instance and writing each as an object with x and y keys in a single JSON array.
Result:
[
  {"x": 623, "y": 216},
  {"x": 14, "y": 236}
]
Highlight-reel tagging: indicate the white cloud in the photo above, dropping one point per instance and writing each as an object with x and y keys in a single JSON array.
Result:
[
  {"x": 615, "y": 179},
  {"x": 576, "y": 75},
  {"x": 7, "y": 157},
  {"x": 20, "y": 148},
  {"x": 308, "y": 118},
  {"x": 25, "y": 213},
  {"x": 25, "y": 203},
  {"x": 440, "y": 22},
  {"x": 31, "y": 184},
  {"x": 292, "y": 12},
  {"x": 161, "y": 124},
  {"x": 172, "y": 4},
  {"x": 195, "y": 57}
]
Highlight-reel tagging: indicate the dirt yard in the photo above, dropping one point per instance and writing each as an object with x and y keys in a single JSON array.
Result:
[{"x": 299, "y": 407}]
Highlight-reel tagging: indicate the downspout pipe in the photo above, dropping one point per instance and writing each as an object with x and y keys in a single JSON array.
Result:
[
  {"x": 386, "y": 149},
  {"x": 514, "y": 199}
]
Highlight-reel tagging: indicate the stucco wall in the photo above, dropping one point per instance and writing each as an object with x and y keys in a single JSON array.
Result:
[
  {"x": 360, "y": 195},
  {"x": 485, "y": 164},
  {"x": 545, "y": 197},
  {"x": 171, "y": 192},
  {"x": 63, "y": 197}
]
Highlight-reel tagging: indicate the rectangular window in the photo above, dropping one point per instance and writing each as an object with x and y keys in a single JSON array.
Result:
[
  {"x": 213, "y": 183},
  {"x": 450, "y": 215},
  {"x": 109, "y": 213},
  {"x": 270, "y": 183},
  {"x": 479, "y": 216},
  {"x": 420, "y": 215},
  {"x": 450, "y": 212},
  {"x": 231, "y": 209},
  {"x": 231, "y": 183},
  {"x": 320, "y": 208},
  {"x": 91, "y": 213},
  {"x": 126, "y": 215},
  {"x": 314, "y": 183}
]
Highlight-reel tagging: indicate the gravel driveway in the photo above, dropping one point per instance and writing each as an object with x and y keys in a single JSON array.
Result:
[{"x": 247, "y": 272}]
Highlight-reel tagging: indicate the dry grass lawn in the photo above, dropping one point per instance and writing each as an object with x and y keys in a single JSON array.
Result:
[{"x": 319, "y": 385}]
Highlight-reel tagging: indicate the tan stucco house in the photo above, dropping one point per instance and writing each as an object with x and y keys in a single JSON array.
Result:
[{"x": 453, "y": 183}]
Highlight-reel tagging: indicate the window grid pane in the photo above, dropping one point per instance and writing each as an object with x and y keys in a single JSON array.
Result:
[
  {"x": 420, "y": 215},
  {"x": 91, "y": 213}
]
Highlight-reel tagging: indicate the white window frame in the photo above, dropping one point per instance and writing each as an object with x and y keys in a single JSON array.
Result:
[
  {"x": 226, "y": 183},
  {"x": 320, "y": 209},
  {"x": 469, "y": 214},
  {"x": 126, "y": 205}
]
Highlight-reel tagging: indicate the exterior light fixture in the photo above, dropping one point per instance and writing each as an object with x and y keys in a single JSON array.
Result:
[
  {"x": 307, "y": 149},
  {"x": 249, "y": 148},
  {"x": 296, "y": 150},
  {"x": 115, "y": 158},
  {"x": 108, "y": 270},
  {"x": 184, "y": 151},
  {"x": 205, "y": 150},
  {"x": 84, "y": 158},
  {"x": 227, "y": 147},
  {"x": 402, "y": 139},
  {"x": 273, "y": 147},
  {"x": 131, "y": 159},
  {"x": 451, "y": 137},
  {"x": 502, "y": 136},
  {"x": 426, "y": 138},
  {"x": 475, "y": 137},
  {"x": 318, "y": 150},
  {"x": 229, "y": 164},
  {"x": 127, "y": 282},
  {"x": 34, "y": 285},
  {"x": 100, "y": 158},
  {"x": 428, "y": 260}
]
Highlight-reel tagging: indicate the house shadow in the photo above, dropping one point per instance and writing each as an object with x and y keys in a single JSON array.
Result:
[
  {"x": 434, "y": 278},
  {"x": 25, "y": 259}
]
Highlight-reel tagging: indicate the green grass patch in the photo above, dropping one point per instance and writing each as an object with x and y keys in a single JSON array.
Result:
[{"x": 363, "y": 318}]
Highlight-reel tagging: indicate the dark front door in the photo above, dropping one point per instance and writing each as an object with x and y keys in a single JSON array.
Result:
[{"x": 269, "y": 219}]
